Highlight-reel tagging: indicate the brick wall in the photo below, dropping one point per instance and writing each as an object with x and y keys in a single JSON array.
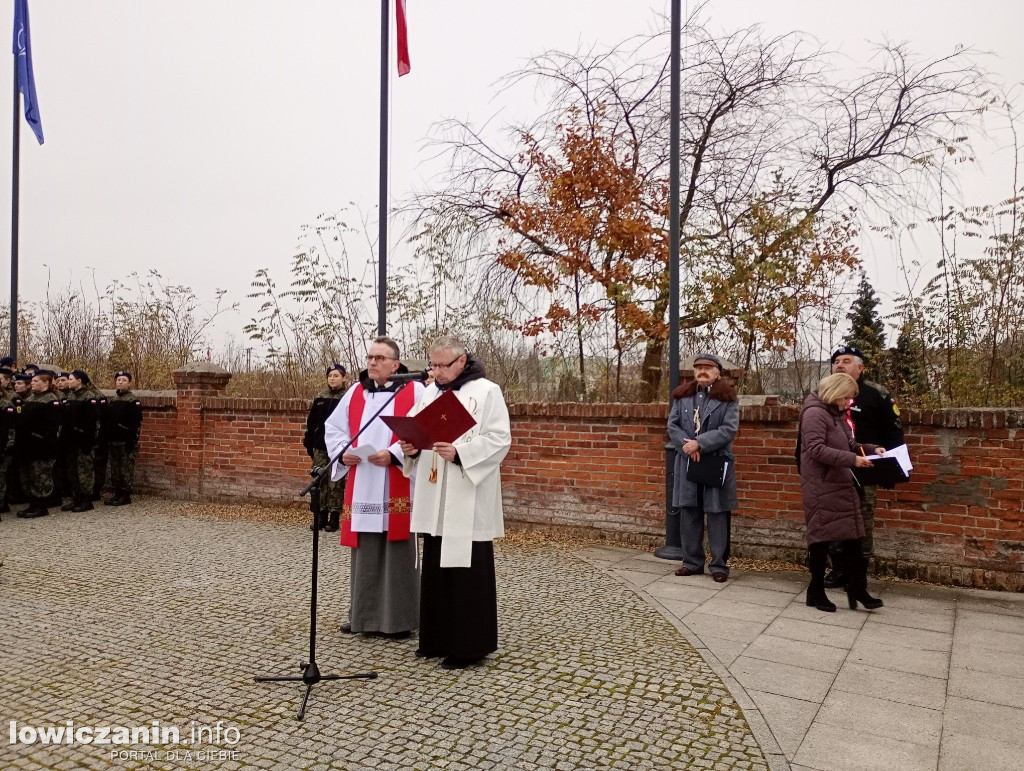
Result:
[{"x": 600, "y": 469}]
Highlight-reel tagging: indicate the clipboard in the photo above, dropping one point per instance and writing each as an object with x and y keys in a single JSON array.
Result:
[
  {"x": 443, "y": 420},
  {"x": 885, "y": 473}
]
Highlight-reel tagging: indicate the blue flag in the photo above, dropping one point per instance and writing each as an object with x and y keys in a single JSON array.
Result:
[{"x": 26, "y": 80}]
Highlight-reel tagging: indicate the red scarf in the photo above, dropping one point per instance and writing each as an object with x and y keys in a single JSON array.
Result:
[{"x": 399, "y": 508}]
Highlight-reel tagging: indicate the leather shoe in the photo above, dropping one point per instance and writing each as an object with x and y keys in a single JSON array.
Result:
[
  {"x": 719, "y": 578},
  {"x": 685, "y": 571},
  {"x": 395, "y": 635},
  {"x": 347, "y": 628}
]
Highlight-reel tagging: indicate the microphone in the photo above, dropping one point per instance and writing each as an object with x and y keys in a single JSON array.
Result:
[{"x": 409, "y": 377}]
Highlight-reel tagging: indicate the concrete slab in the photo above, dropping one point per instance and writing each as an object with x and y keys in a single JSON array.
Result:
[
  {"x": 868, "y": 714},
  {"x": 789, "y": 582},
  {"x": 679, "y": 589},
  {"x": 917, "y": 639},
  {"x": 797, "y": 653},
  {"x": 782, "y": 679},
  {"x": 959, "y": 752},
  {"x": 982, "y": 720},
  {"x": 726, "y": 651},
  {"x": 808, "y": 631},
  {"x": 704, "y": 624},
  {"x": 788, "y": 719},
  {"x": 655, "y": 566},
  {"x": 937, "y": 620},
  {"x": 904, "y": 687},
  {"x": 635, "y": 577},
  {"x": 845, "y": 749},
  {"x": 745, "y": 611},
  {"x": 1004, "y": 642},
  {"x": 678, "y": 608},
  {"x": 770, "y": 598},
  {"x": 996, "y": 622},
  {"x": 899, "y": 658},
  {"x": 984, "y": 660},
  {"x": 799, "y": 611},
  {"x": 987, "y": 687}
]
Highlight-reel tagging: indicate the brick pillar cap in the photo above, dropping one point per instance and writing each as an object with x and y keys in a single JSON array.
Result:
[{"x": 205, "y": 367}]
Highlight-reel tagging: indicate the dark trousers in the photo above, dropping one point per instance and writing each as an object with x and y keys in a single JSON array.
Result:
[
  {"x": 458, "y": 606},
  {"x": 691, "y": 533}
]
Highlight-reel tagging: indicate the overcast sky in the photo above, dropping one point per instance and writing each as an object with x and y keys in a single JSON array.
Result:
[{"x": 196, "y": 137}]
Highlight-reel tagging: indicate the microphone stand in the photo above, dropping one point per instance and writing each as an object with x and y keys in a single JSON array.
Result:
[{"x": 310, "y": 671}]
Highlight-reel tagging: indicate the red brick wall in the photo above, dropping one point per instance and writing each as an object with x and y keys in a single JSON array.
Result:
[{"x": 601, "y": 469}]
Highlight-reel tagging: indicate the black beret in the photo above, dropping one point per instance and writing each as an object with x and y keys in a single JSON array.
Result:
[
  {"x": 5, "y": 370},
  {"x": 62, "y": 373},
  {"x": 81, "y": 374},
  {"x": 27, "y": 367},
  {"x": 7, "y": 361},
  {"x": 122, "y": 373},
  {"x": 23, "y": 377},
  {"x": 848, "y": 350},
  {"x": 338, "y": 367}
]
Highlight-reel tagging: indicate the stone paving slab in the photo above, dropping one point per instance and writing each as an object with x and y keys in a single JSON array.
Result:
[
  {"x": 934, "y": 680},
  {"x": 122, "y": 617}
]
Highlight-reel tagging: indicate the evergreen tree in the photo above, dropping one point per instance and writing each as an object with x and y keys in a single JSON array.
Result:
[{"x": 867, "y": 330}]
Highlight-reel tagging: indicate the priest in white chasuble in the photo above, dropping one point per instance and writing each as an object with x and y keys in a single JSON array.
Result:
[
  {"x": 375, "y": 520},
  {"x": 457, "y": 506}
]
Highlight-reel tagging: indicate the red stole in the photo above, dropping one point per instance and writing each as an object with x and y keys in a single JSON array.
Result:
[{"x": 399, "y": 508}]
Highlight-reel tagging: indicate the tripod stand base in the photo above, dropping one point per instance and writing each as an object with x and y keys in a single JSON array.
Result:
[{"x": 311, "y": 676}]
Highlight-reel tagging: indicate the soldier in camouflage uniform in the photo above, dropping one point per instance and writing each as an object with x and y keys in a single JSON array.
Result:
[
  {"x": 63, "y": 473},
  {"x": 36, "y": 434},
  {"x": 8, "y": 414},
  {"x": 6, "y": 382},
  {"x": 83, "y": 429},
  {"x": 123, "y": 427},
  {"x": 332, "y": 494}
]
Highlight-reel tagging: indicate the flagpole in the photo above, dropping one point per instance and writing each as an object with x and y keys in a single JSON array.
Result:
[
  {"x": 15, "y": 180},
  {"x": 382, "y": 203}
]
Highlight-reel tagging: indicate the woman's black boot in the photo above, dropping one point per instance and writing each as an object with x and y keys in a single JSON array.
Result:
[{"x": 816, "y": 597}]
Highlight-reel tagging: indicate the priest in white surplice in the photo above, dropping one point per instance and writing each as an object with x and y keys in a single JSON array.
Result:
[
  {"x": 375, "y": 520},
  {"x": 457, "y": 506}
]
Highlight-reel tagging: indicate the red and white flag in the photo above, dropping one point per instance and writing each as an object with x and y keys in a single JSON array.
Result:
[{"x": 403, "y": 39}]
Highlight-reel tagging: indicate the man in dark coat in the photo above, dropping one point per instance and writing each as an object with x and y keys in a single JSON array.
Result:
[
  {"x": 875, "y": 419},
  {"x": 702, "y": 423}
]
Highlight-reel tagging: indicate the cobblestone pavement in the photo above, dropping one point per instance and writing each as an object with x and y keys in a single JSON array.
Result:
[{"x": 140, "y": 614}]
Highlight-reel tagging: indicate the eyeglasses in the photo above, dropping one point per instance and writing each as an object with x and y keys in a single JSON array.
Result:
[
  {"x": 445, "y": 366},
  {"x": 375, "y": 357}
]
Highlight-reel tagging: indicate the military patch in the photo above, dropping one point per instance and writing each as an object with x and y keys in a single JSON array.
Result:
[{"x": 895, "y": 409}]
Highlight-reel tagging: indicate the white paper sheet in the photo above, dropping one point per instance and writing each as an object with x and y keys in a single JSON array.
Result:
[
  {"x": 902, "y": 456},
  {"x": 364, "y": 451}
]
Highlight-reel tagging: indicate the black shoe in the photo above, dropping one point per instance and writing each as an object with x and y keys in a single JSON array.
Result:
[
  {"x": 820, "y": 601},
  {"x": 68, "y": 506},
  {"x": 346, "y": 628},
  {"x": 834, "y": 580},
  {"x": 119, "y": 500},
  {"x": 333, "y": 522},
  {"x": 42, "y": 511},
  {"x": 85, "y": 505},
  {"x": 865, "y": 599},
  {"x": 454, "y": 662}
]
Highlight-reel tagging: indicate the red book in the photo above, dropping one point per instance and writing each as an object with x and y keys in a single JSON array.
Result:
[{"x": 443, "y": 420}]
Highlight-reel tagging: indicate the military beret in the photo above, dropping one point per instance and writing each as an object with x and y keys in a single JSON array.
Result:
[
  {"x": 62, "y": 373},
  {"x": 338, "y": 367},
  {"x": 23, "y": 377},
  {"x": 27, "y": 367},
  {"x": 5, "y": 370},
  {"x": 80, "y": 374},
  {"x": 7, "y": 361},
  {"x": 122, "y": 373},
  {"x": 49, "y": 372},
  {"x": 848, "y": 350},
  {"x": 709, "y": 357}
]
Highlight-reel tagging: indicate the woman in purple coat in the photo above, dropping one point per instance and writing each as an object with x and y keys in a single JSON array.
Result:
[{"x": 828, "y": 456}]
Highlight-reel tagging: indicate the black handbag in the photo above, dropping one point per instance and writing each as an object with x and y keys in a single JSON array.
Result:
[{"x": 710, "y": 471}]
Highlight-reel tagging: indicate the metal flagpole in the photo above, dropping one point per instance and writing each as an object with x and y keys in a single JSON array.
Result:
[
  {"x": 15, "y": 176},
  {"x": 673, "y": 548},
  {"x": 382, "y": 203}
]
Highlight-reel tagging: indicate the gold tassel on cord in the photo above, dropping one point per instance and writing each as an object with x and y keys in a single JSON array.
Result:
[{"x": 433, "y": 470}]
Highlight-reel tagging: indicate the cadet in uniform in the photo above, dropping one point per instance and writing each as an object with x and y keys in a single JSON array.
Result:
[
  {"x": 332, "y": 494},
  {"x": 36, "y": 435},
  {"x": 123, "y": 425},
  {"x": 875, "y": 419},
  {"x": 83, "y": 429},
  {"x": 8, "y": 414}
]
